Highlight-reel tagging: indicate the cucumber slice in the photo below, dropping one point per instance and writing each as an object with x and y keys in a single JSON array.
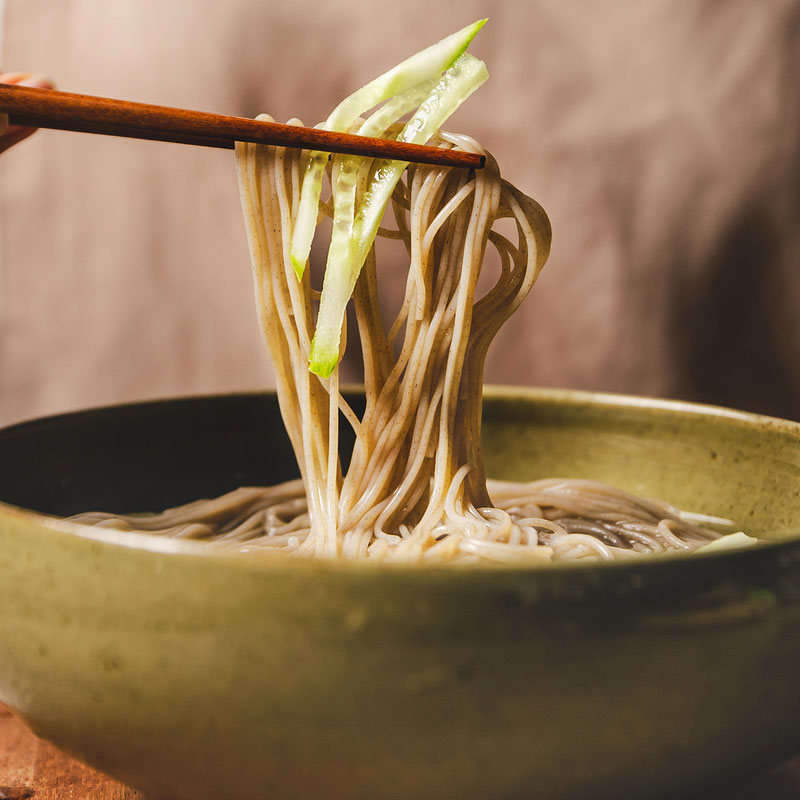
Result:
[
  {"x": 346, "y": 175},
  {"x": 731, "y": 541},
  {"x": 426, "y": 65},
  {"x": 345, "y": 262},
  {"x": 455, "y": 86}
]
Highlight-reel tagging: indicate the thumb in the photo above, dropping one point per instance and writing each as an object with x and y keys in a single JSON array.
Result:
[{"x": 26, "y": 79}]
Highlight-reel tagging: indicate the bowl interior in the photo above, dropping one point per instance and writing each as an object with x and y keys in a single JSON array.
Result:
[{"x": 150, "y": 456}]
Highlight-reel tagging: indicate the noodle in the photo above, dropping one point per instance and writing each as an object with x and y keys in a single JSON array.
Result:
[
  {"x": 416, "y": 488},
  {"x": 529, "y": 522}
]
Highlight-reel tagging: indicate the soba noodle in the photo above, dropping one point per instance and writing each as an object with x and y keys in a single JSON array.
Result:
[{"x": 415, "y": 489}]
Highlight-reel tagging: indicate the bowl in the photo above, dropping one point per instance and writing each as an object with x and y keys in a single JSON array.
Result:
[{"x": 192, "y": 674}]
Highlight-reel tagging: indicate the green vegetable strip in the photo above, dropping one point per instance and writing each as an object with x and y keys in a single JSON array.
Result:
[
  {"x": 731, "y": 541},
  {"x": 422, "y": 66},
  {"x": 455, "y": 86},
  {"x": 393, "y": 109},
  {"x": 305, "y": 222},
  {"x": 347, "y": 170},
  {"x": 425, "y": 65}
]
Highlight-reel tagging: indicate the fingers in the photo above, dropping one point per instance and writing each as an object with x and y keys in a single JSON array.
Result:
[{"x": 11, "y": 134}]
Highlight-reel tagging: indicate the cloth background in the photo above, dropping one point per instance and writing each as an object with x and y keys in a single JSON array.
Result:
[{"x": 662, "y": 137}]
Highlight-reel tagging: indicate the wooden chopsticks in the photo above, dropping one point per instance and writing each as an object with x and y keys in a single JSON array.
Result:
[{"x": 46, "y": 108}]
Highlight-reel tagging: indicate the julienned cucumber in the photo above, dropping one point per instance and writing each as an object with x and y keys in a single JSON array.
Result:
[
  {"x": 455, "y": 86},
  {"x": 346, "y": 256},
  {"x": 426, "y": 65},
  {"x": 348, "y": 172}
]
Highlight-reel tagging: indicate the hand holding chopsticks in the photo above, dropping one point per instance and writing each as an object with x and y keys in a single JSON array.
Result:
[
  {"x": 11, "y": 134},
  {"x": 47, "y": 108}
]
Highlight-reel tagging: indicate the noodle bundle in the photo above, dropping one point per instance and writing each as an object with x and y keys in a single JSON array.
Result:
[
  {"x": 415, "y": 489},
  {"x": 416, "y": 464}
]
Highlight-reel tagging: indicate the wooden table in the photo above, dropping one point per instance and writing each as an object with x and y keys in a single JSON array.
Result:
[{"x": 30, "y": 768}]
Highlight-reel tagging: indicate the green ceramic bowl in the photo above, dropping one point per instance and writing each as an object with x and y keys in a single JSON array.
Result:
[{"x": 192, "y": 675}]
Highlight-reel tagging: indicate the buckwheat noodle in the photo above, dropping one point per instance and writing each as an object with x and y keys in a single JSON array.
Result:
[{"x": 416, "y": 488}]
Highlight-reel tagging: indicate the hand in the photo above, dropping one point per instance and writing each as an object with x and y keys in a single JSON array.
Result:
[{"x": 11, "y": 134}]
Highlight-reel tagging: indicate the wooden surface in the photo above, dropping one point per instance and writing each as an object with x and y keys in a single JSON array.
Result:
[
  {"x": 48, "y": 108},
  {"x": 30, "y": 768}
]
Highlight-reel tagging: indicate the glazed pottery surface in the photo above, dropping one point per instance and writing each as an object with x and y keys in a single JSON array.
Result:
[{"x": 198, "y": 674}]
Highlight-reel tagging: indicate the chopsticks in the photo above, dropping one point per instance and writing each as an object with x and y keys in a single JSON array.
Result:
[{"x": 46, "y": 108}]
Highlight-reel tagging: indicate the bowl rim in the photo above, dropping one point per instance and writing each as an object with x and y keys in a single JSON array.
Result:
[{"x": 788, "y": 550}]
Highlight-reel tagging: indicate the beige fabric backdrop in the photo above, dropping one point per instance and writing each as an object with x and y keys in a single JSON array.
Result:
[{"x": 663, "y": 138}]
